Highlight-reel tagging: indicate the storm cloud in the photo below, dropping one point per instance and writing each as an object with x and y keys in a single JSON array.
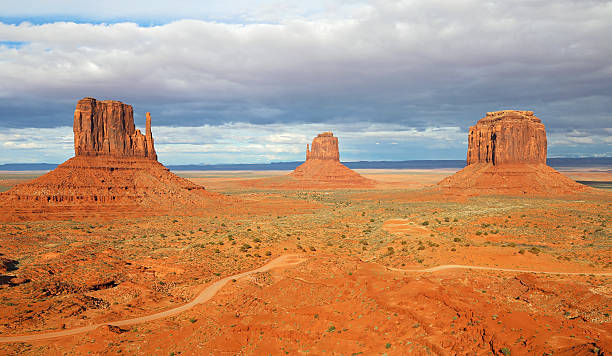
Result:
[{"x": 366, "y": 69}]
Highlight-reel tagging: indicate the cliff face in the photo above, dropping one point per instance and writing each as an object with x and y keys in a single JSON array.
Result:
[
  {"x": 324, "y": 147},
  {"x": 507, "y": 155},
  {"x": 106, "y": 128},
  {"x": 115, "y": 172},
  {"x": 508, "y": 136},
  {"x": 323, "y": 168}
]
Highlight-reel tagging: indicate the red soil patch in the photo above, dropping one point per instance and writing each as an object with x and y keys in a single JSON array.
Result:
[{"x": 331, "y": 305}]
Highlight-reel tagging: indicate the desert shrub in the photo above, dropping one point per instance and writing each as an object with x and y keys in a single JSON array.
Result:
[
  {"x": 425, "y": 223},
  {"x": 522, "y": 251},
  {"x": 456, "y": 239},
  {"x": 534, "y": 250}
]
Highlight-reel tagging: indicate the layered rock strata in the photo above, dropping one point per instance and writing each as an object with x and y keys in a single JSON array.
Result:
[
  {"x": 324, "y": 147},
  {"x": 507, "y": 136},
  {"x": 507, "y": 155},
  {"x": 106, "y": 128},
  {"x": 323, "y": 167},
  {"x": 114, "y": 171}
]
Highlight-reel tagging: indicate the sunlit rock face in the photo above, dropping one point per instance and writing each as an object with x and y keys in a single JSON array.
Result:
[
  {"x": 106, "y": 128},
  {"x": 324, "y": 147},
  {"x": 507, "y": 155},
  {"x": 114, "y": 172},
  {"x": 508, "y": 136}
]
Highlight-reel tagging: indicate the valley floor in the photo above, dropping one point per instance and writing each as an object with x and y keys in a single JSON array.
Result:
[{"x": 359, "y": 286}]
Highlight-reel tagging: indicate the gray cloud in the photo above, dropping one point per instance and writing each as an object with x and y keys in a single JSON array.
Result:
[{"x": 418, "y": 65}]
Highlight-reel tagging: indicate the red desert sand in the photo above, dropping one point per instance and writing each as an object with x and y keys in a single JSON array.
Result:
[{"x": 112, "y": 254}]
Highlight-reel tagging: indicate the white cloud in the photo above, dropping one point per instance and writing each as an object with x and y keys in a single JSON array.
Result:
[{"x": 256, "y": 78}]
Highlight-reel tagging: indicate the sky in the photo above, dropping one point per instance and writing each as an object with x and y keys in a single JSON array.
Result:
[{"x": 253, "y": 81}]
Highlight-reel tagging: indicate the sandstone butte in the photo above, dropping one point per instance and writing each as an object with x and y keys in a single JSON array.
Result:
[
  {"x": 114, "y": 172},
  {"x": 507, "y": 155},
  {"x": 323, "y": 168}
]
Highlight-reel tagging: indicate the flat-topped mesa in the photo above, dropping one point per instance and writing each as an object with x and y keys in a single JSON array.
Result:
[
  {"x": 508, "y": 136},
  {"x": 324, "y": 147},
  {"x": 106, "y": 128}
]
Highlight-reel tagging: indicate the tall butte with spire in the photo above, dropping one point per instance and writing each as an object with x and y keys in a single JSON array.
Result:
[
  {"x": 507, "y": 155},
  {"x": 323, "y": 168},
  {"x": 114, "y": 171}
]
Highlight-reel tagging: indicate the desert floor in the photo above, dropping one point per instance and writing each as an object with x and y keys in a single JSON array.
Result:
[{"x": 353, "y": 273}]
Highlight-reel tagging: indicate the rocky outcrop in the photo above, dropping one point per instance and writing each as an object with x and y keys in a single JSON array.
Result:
[
  {"x": 106, "y": 128},
  {"x": 508, "y": 136},
  {"x": 115, "y": 173},
  {"x": 324, "y": 147},
  {"x": 323, "y": 168},
  {"x": 507, "y": 155}
]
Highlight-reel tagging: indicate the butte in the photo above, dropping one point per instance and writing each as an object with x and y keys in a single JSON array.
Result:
[
  {"x": 114, "y": 173},
  {"x": 507, "y": 155},
  {"x": 323, "y": 168}
]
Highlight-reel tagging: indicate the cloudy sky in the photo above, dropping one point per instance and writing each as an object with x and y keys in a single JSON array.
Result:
[{"x": 254, "y": 80}]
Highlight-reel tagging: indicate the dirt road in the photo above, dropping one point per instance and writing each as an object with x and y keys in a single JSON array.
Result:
[
  {"x": 204, "y": 296},
  {"x": 211, "y": 290}
]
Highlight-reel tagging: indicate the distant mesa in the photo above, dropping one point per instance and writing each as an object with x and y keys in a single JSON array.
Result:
[
  {"x": 507, "y": 155},
  {"x": 324, "y": 147},
  {"x": 114, "y": 172},
  {"x": 323, "y": 167}
]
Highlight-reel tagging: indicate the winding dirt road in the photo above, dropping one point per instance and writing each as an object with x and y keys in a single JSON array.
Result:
[
  {"x": 204, "y": 296},
  {"x": 211, "y": 290}
]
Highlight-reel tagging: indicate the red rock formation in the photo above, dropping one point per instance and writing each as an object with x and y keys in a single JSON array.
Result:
[
  {"x": 324, "y": 147},
  {"x": 106, "y": 128},
  {"x": 115, "y": 171},
  {"x": 507, "y": 155},
  {"x": 323, "y": 167},
  {"x": 507, "y": 136}
]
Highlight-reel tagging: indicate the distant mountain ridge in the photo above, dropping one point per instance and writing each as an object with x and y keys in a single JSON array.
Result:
[{"x": 287, "y": 166}]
